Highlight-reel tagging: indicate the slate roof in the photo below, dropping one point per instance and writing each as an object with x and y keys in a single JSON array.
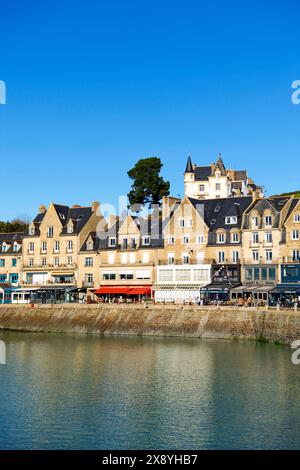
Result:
[
  {"x": 216, "y": 210},
  {"x": 202, "y": 173},
  {"x": 292, "y": 207},
  {"x": 10, "y": 238}
]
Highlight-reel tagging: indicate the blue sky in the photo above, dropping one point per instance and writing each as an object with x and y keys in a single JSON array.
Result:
[{"x": 93, "y": 86}]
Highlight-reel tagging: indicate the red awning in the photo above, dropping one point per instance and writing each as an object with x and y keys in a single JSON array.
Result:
[
  {"x": 112, "y": 290},
  {"x": 140, "y": 291},
  {"x": 124, "y": 290}
]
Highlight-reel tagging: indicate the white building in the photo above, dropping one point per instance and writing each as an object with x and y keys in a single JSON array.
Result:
[
  {"x": 215, "y": 181},
  {"x": 181, "y": 283}
]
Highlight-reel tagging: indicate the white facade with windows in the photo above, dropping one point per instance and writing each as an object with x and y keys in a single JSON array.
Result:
[{"x": 181, "y": 283}]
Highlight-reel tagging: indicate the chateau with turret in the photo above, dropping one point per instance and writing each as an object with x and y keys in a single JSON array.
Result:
[{"x": 215, "y": 181}]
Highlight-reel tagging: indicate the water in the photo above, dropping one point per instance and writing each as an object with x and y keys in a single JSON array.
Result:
[{"x": 88, "y": 392}]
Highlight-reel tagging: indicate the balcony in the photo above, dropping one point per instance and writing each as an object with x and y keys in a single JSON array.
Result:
[{"x": 90, "y": 284}]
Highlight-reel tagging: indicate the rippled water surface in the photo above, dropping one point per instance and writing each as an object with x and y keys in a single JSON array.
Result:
[{"x": 87, "y": 392}]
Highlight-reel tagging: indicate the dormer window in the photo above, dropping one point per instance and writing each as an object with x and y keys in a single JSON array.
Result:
[
  {"x": 254, "y": 221},
  {"x": 70, "y": 229},
  {"x": 231, "y": 220},
  {"x": 221, "y": 237},
  {"x": 297, "y": 218},
  {"x": 90, "y": 245},
  {"x": 146, "y": 240},
  {"x": 4, "y": 247},
  {"x": 62, "y": 216},
  {"x": 268, "y": 220},
  {"x": 15, "y": 247},
  {"x": 112, "y": 242},
  {"x": 32, "y": 230}
]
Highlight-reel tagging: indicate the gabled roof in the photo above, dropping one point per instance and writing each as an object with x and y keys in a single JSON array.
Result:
[{"x": 10, "y": 239}]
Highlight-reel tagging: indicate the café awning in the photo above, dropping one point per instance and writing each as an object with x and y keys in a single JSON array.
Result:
[{"x": 123, "y": 290}]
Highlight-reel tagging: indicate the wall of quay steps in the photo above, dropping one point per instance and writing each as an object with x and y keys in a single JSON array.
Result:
[{"x": 195, "y": 322}]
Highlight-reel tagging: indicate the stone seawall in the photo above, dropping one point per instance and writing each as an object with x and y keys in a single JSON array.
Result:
[{"x": 229, "y": 323}]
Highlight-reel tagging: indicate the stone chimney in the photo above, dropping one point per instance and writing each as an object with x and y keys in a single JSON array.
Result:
[
  {"x": 168, "y": 204},
  {"x": 95, "y": 206},
  {"x": 42, "y": 209},
  {"x": 76, "y": 206},
  {"x": 111, "y": 220}
]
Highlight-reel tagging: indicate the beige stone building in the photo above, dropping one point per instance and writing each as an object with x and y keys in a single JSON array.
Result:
[
  {"x": 10, "y": 263},
  {"x": 50, "y": 249}
]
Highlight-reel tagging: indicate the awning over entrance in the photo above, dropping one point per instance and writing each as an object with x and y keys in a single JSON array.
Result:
[
  {"x": 123, "y": 290},
  {"x": 251, "y": 288},
  {"x": 286, "y": 289},
  {"x": 216, "y": 289}
]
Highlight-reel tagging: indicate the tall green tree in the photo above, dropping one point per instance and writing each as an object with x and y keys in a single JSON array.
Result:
[
  {"x": 17, "y": 225},
  {"x": 148, "y": 186}
]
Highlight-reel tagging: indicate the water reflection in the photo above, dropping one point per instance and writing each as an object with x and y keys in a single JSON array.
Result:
[{"x": 77, "y": 391}]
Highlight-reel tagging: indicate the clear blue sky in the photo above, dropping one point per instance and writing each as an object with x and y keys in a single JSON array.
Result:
[{"x": 93, "y": 86}]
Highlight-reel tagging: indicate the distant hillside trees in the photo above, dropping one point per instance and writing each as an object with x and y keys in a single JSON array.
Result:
[{"x": 16, "y": 225}]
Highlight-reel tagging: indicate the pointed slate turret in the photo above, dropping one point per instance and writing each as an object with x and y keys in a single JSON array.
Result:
[
  {"x": 189, "y": 166},
  {"x": 221, "y": 165}
]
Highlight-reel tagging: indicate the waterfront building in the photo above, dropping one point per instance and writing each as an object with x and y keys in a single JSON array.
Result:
[
  {"x": 216, "y": 181},
  {"x": 50, "y": 250},
  {"x": 119, "y": 262},
  {"x": 10, "y": 264},
  {"x": 263, "y": 236}
]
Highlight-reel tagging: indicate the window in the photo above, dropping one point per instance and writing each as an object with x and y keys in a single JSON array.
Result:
[
  {"x": 268, "y": 237},
  {"x": 50, "y": 232},
  {"x": 296, "y": 255},
  {"x": 235, "y": 256},
  {"x": 2, "y": 263},
  {"x": 90, "y": 245},
  {"x": 254, "y": 221},
  {"x": 89, "y": 278},
  {"x": 14, "y": 262},
  {"x": 255, "y": 238},
  {"x": 295, "y": 234},
  {"x": 4, "y": 247},
  {"x": 186, "y": 239},
  {"x": 255, "y": 255},
  {"x": 56, "y": 261},
  {"x": 70, "y": 246},
  {"x": 30, "y": 262},
  {"x": 88, "y": 262},
  {"x": 2, "y": 277},
  {"x": 133, "y": 243},
  {"x": 56, "y": 246},
  {"x": 31, "y": 247},
  {"x": 217, "y": 208},
  {"x": 218, "y": 187},
  {"x": 143, "y": 274},
  {"x": 15, "y": 247},
  {"x": 268, "y": 220},
  {"x": 112, "y": 242},
  {"x": 44, "y": 247},
  {"x": 200, "y": 239},
  {"x": 109, "y": 276},
  {"x": 201, "y": 188},
  {"x": 125, "y": 243},
  {"x": 184, "y": 275},
  {"x": 297, "y": 218},
  {"x": 185, "y": 223},
  {"x": 32, "y": 230},
  {"x": 231, "y": 220},
  {"x": 269, "y": 255},
  {"x": 171, "y": 258},
  {"x": 69, "y": 260},
  {"x": 126, "y": 276},
  {"x": 14, "y": 278},
  {"x": 165, "y": 275},
  {"x": 145, "y": 257},
  {"x": 201, "y": 275},
  {"x": 44, "y": 262},
  {"x": 171, "y": 240},
  {"x": 221, "y": 256},
  {"x": 185, "y": 258},
  {"x": 221, "y": 238},
  {"x": 70, "y": 228},
  {"x": 146, "y": 240},
  {"x": 235, "y": 238}
]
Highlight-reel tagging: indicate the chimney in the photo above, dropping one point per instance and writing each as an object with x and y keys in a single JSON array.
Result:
[
  {"x": 111, "y": 220},
  {"x": 168, "y": 204},
  {"x": 95, "y": 206},
  {"x": 76, "y": 206},
  {"x": 42, "y": 209}
]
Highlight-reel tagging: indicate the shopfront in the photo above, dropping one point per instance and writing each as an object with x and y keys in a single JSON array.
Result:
[
  {"x": 224, "y": 278},
  {"x": 123, "y": 293}
]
